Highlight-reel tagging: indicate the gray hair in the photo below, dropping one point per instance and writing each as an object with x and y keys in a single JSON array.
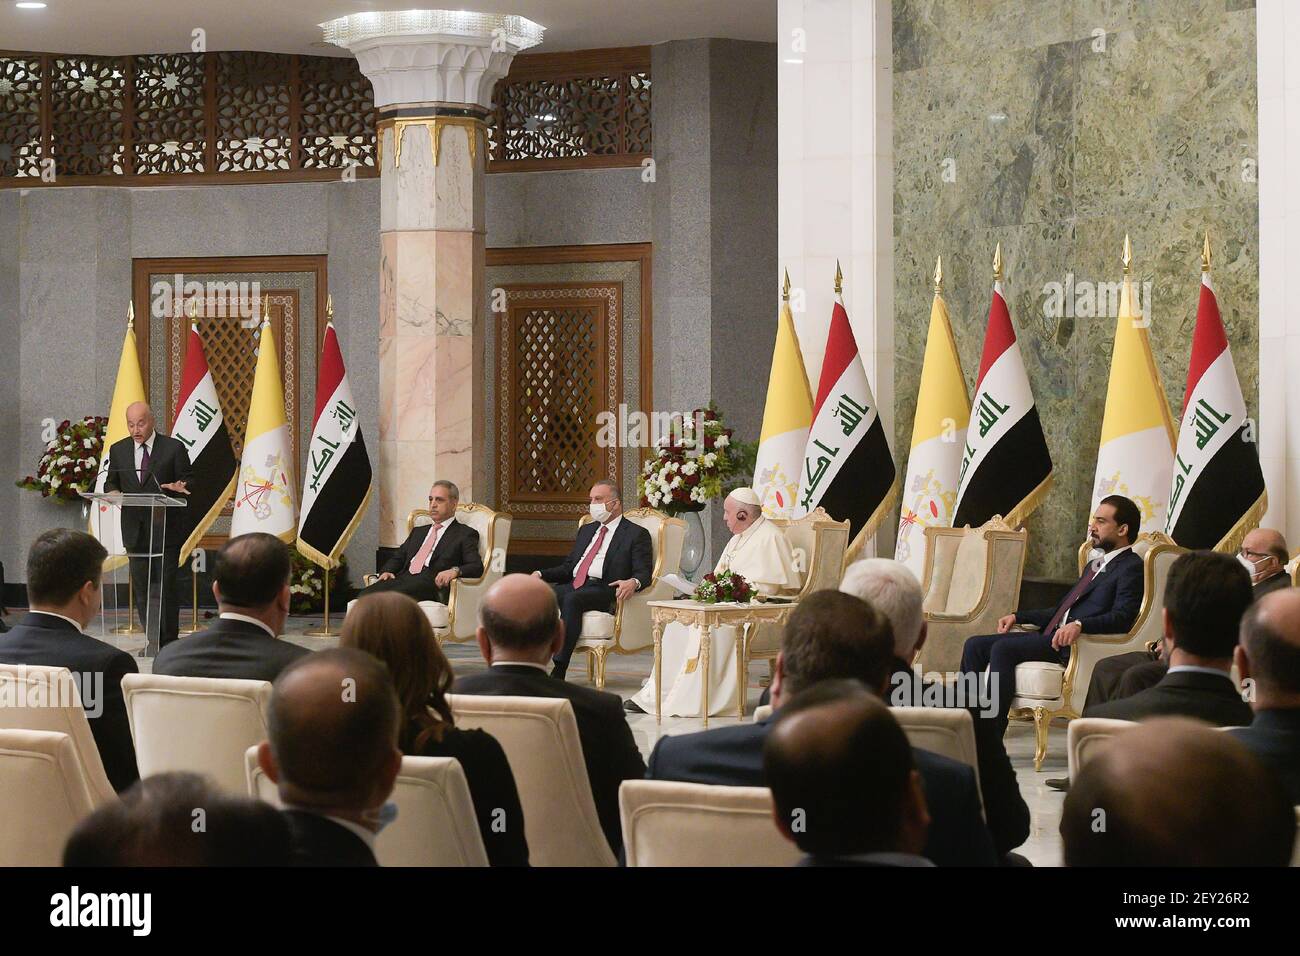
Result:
[
  {"x": 452, "y": 490},
  {"x": 611, "y": 484},
  {"x": 893, "y": 590}
]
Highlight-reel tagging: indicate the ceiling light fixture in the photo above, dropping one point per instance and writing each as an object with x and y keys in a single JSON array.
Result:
[{"x": 29, "y": 5}]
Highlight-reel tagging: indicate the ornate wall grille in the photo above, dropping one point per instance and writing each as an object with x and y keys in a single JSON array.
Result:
[{"x": 155, "y": 119}]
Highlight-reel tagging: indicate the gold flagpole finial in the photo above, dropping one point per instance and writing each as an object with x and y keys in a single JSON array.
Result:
[
  {"x": 997, "y": 263},
  {"x": 266, "y": 309},
  {"x": 785, "y": 289},
  {"x": 1205, "y": 253},
  {"x": 130, "y": 315},
  {"x": 839, "y": 278},
  {"x": 193, "y": 311},
  {"x": 329, "y": 307},
  {"x": 1128, "y": 255},
  {"x": 938, "y": 275}
]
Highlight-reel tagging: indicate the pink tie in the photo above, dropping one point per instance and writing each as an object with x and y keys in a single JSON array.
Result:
[
  {"x": 580, "y": 578},
  {"x": 426, "y": 549}
]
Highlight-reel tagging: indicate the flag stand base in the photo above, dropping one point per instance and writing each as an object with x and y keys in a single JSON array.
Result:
[
  {"x": 129, "y": 627},
  {"x": 324, "y": 630},
  {"x": 194, "y": 626}
]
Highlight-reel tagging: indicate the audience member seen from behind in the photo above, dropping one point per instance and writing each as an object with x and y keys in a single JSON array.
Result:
[{"x": 1268, "y": 659}]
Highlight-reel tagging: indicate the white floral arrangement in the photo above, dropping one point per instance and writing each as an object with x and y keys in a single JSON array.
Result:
[
  {"x": 689, "y": 469},
  {"x": 70, "y": 464}
]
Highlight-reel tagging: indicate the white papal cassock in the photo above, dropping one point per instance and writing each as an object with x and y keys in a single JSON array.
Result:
[{"x": 761, "y": 555}]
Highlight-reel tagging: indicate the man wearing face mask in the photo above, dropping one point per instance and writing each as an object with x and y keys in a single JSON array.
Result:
[
  {"x": 759, "y": 552},
  {"x": 611, "y": 560},
  {"x": 1263, "y": 553}
]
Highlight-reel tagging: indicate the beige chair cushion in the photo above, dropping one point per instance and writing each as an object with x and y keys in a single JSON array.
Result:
[
  {"x": 540, "y": 738},
  {"x": 967, "y": 582},
  {"x": 42, "y": 686},
  {"x": 1039, "y": 680},
  {"x": 762, "y": 712},
  {"x": 197, "y": 724},
  {"x": 689, "y": 824},
  {"x": 598, "y": 626},
  {"x": 436, "y": 613},
  {"x": 43, "y": 796},
  {"x": 1085, "y": 737}
]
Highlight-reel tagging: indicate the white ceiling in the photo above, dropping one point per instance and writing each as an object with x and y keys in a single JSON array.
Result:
[{"x": 115, "y": 27}]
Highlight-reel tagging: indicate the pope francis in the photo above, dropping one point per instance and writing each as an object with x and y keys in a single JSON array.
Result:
[{"x": 759, "y": 552}]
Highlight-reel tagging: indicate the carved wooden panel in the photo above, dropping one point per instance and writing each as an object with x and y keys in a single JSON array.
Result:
[
  {"x": 337, "y": 121},
  {"x": 20, "y": 115},
  {"x": 86, "y": 104},
  {"x": 169, "y": 134},
  {"x": 252, "y": 110},
  {"x": 559, "y": 368}
]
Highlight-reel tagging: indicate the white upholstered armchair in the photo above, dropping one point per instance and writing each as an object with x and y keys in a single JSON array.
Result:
[
  {"x": 972, "y": 578},
  {"x": 628, "y": 630},
  {"x": 1045, "y": 691}
]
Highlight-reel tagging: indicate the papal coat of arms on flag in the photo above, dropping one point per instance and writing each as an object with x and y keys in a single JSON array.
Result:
[{"x": 787, "y": 416}]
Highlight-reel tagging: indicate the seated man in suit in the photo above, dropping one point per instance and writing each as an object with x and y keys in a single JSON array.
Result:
[
  {"x": 64, "y": 568},
  {"x": 1268, "y": 659},
  {"x": 611, "y": 560},
  {"x": 844, "y": 786},
  {"x": 148, "y": 462},
  {"x": 1205, "y": 596},
  {"x": 890, "y": 588},
  {"x": 333, "y": 724},
  {"x": 1106, "y": 600},
  {"x": 153, "y": 825},
  {"x": 1175, "y": 794},
  {"x": 252, "y": 590},
  {"x": 1263, "y": 553},
  {"x": 433, "y": 555},
  {"x": 519, "y": 632},
  {"x": 832, "y": 635}
]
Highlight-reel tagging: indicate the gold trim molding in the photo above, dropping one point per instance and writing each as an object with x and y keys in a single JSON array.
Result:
[{"x": 433, "y": 125}]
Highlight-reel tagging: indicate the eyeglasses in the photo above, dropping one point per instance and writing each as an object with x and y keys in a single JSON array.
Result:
[{"x": 1247, "y": 553}]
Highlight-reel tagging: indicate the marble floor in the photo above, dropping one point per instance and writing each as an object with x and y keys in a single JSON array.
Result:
[{"x": 625, "y": 674}]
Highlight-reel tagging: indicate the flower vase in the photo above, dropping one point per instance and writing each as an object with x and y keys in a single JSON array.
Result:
[{"x": 693, "y": 546}]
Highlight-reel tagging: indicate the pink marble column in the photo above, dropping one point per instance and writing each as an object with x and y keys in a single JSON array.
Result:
[{"x": 433, "y": 73}]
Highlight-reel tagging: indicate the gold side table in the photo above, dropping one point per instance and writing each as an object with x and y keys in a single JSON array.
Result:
[{"x": 707, "y": 617}]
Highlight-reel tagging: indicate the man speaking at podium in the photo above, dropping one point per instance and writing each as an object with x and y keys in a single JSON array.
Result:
[{"x": 148, "y": 463}]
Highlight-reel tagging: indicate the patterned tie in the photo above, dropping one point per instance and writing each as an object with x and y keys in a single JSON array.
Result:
[
  {"x": 426, "y": 549},
  {"x": 1070, "y": 598},
  {"x": 144, "y": 462},
  {"x": 580, "y": 578}
]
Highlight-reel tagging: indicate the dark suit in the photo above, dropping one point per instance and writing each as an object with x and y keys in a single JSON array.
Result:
[
  {"x": 733, "y": 756},
  {"x": 629, "y": 554},
  {"x": 235, "y": 650},
  {"x": 317, "y": 841},
  {"x": 1005, "y": 809},
  {"x": 610, "y": 753},
  {"x": 48, "y": 641},
  {"x": 168, "y": 462},
  {"x": 1108, "y": 604},
  {"x": 457, "y": 548},
  {"x": 1212, "y": 698},
  {"x": 1274, "y": 737}
]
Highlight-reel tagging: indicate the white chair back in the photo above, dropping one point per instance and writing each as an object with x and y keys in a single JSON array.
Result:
[
  {"x": 948, "y": 731},
  {"x": 540, "y": 738},
  {"x": 435, "y": 824},
  {"x": 666, "y": 823},
  {"x": 1085, "y": 736},
  {"x": 197, "y": 724},
  {"x": 43, "y": 796},
  {"x": 458, "y": 620},
  {"x": 33, "y": 697},
  {"x": 819, "y": 544}
]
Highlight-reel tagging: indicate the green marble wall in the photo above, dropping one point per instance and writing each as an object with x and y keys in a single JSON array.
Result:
[{"x": 1151, "y": 131}]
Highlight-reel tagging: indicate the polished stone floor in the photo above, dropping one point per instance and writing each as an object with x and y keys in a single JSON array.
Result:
[{"x": 625, "y": 674}]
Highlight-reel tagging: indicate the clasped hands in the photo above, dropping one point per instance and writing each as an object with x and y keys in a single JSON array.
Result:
[
  {"x": 442, "y": 578},
  {"x": 1065, "y": 635},
  {"x": 622, "y": 589}
]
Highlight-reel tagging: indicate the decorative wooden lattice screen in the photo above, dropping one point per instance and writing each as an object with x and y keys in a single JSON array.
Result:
[{"x": 559, "y": 368}]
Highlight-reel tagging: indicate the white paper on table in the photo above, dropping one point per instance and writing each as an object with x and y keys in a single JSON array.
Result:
[{"x": 678, "y": 583}]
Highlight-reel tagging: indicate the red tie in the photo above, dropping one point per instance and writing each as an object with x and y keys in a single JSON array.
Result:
[
  {"x": 1070, "y": 598},
  {"x": 426, "y": 549},
  {"x": 580, "y": 578}
]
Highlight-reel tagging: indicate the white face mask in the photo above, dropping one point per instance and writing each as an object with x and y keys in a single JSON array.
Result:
[
  {"x": 598, "y": 511},
  {"x": 1249, "y": 565}
]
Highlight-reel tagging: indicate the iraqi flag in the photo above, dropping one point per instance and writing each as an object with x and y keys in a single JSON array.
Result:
[
  {"x": 847, "y": 466},
  {"x": 199, "y": 424},
  {"x": 1005, "y": 467},
  {"x": 1218, "y": 488},
  {"x": 336, "y": 491}
]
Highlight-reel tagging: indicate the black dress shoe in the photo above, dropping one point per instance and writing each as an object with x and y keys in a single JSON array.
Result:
[
  {"x": 1059, "y": 783},
  {"x": 632, "y": 707}
]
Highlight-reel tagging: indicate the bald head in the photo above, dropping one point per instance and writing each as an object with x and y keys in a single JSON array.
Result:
[
  {"x": 1269, "y": 652},
  {"x": 333, "y": 724},
  {"x": 840, "y": 767},
  {"x": 519, "y": 620},
  {"x": 1265, "y": 549},
  {"x": 140, "y": 421},
  {"x": 1173, "y": 792}
]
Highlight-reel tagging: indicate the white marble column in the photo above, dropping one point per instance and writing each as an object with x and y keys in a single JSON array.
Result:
[
  {"x": 1277, "y": 52},
  {"x": 433, "y": 73},
  {"x": 835, "y": 181}
]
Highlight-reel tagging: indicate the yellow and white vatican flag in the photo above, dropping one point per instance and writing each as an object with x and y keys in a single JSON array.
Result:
[
  {"x": 938, "y": 437},
  {"x": 1136, "y": 456},
  {"x": 106, "y": 520},
  {"x": 787, "y": 416},
  {"x": 264, "y": 495}
]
